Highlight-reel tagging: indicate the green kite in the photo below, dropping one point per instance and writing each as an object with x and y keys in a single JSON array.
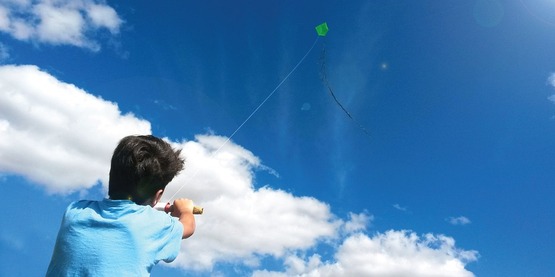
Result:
[{"x": 322, "y": 29}]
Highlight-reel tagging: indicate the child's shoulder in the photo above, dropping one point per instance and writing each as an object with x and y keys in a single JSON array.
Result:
[{"x": 82, "y": 203}]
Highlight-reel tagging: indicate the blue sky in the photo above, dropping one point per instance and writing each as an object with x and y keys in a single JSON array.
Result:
[{"x": 456, "y": 178}]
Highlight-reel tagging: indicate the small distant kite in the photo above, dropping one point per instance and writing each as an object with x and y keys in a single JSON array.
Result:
[{"x": 322, "y": 31}]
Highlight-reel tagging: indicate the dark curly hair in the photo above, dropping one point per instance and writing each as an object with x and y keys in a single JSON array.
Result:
[{"x": 142, "y": 165}]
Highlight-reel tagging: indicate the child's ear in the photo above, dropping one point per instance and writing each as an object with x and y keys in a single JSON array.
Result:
[{"x": 157, "y": 197}]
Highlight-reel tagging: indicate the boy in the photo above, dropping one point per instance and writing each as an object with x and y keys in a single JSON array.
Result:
[{"x": 124, "y": 235}]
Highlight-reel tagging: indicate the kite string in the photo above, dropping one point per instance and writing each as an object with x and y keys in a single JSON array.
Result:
[
  {"x": 252, "y": 114},
  {"x": 271, "y": 93}
]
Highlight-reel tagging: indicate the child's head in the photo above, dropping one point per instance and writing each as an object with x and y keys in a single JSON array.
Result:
[{"x": 141, "y": 167}]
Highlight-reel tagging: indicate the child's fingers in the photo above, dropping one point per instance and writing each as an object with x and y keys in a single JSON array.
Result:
[{"x": 168, "y": 208}]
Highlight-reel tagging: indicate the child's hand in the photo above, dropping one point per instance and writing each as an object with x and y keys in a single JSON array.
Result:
[
  {"x": 182, "y": 206},
  {"x": 183, "y": 209}
]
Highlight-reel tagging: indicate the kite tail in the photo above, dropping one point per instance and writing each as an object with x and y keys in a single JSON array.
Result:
[{"x": 324, "y": 78}]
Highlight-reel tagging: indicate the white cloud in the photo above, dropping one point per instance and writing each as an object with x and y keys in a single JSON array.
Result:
[
  {"x": 103, "y": 16},
  {"x": 399, "y": 207},
  {"x": 551, "y": 82},
  {"x": 4, "y": 52},
  {"x": 59, "y": 25},
  {"x": 357, "y": 222},
  {"x": 56, "y": 134},
  {"x": 4, "y": 20},
  {"x": 242, "y": 222},
  {"x": 551, "y": 79},
  {"x": 393, "y": 253},
  {"x": 460, "y": 220},
  {"x": 62, "y": 137},
  {"x": 62, "y": 22}
]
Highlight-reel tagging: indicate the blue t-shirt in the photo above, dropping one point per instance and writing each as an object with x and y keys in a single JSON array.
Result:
[{"x": 113, "y": 238}]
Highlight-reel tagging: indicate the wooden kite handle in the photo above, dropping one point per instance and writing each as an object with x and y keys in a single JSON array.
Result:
[
  {"x": 198, "y": 210},
  {"x": 167, "y": 208}
]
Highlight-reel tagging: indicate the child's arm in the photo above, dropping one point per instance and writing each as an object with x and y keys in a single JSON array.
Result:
[{"x": 183, "y": 209}]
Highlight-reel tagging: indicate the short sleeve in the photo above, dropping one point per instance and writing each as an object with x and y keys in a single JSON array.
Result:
[
  {"x": 168, "y": 239},
  {"x": 174, "y": 239}
]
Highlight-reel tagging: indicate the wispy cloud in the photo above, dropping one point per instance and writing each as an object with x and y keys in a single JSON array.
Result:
[
  {"x": 551, "y": 82},
  {"x": 49, "y": 129},
  {"x": 64, "y": 22},
  {"x": 459, "y": 220},
  {"x": 12, "y": 241},
  {"x": 551, "y": 79},
  {"x": 399, "y": 207},
  {"x": 4, "y": 52},
  {"x": 165, "y": 105}
]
